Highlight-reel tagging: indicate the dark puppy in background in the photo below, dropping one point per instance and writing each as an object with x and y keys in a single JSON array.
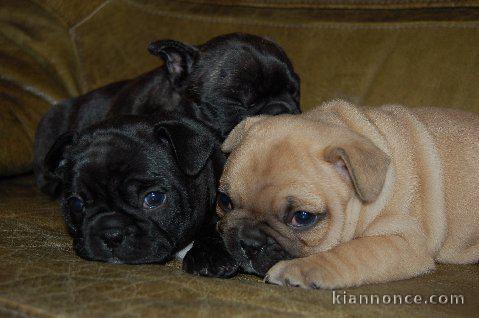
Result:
[
  {"x": 220, "y": 82},
  {"x": 211, "y": 87}
]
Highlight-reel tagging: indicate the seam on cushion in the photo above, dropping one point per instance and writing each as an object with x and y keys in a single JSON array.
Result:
[
  {"x": 42, "y": 62},
  {"x": 78, "y": 61},
  {"x": 413, "y": 4},
  {"x": 76, "y": 50},
  {"x": 91, "y": 14},
  {"x": 78, "y": 80},
  {"x": 323, "y": 25},
  {"x": 55, "y": 13}
]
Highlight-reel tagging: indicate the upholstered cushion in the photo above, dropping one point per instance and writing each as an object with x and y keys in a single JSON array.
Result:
[
  {"x": 40, "y": 276},
  {"x": 344, "y": 4},
  {"x": 371, "y": 52},
  {"x": 425, "y": 54}
]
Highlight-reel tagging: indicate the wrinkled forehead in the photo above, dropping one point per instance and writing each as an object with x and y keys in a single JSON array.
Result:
[
  {"x": 118, "y": 155},
  {"x": 263, "y": 159},
  {"x": 281, "y": 178},
  {"x": 242, "y": 58},
  {"x": 242, "y": 43},
  {"x": 275, "y": 149},
  {"x": 104, "y": 149}
]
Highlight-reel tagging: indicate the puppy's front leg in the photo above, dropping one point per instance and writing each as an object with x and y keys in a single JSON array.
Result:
[
  {"x": 364, "y": 260},
  {"x": 208, "y": 256}
]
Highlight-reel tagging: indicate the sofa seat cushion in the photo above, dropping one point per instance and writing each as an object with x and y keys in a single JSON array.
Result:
[{"x": 40, "y": 276}]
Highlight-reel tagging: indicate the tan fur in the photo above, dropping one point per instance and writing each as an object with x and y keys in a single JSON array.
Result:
[{"x": 401, "y": 187}]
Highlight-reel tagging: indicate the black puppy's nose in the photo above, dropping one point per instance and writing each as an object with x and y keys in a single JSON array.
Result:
[
  {"x": 251, "y": 238},
  {"x": 112, "y": 237}
]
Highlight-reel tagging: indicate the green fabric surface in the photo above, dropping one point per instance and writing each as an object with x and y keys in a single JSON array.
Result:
[
  {"x": 415, "y": 53},
  {"x": 344, "y": 4},
  {"x": 41, "y": 276},
  {"x": 37, "y": 68},
  {"x": 418, "y": 53}
]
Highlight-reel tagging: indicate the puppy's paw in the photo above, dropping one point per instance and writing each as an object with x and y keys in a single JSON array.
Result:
[
  {"x": 303, "y": 273},
  {"x": 209, "y": 262}
]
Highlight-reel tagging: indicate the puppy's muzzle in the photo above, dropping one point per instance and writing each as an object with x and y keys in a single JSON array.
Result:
[
  {"x": 118, "y": 238},
  {"x": 113, "y": 237},
  {"x": 252, "y": 240},
  {"x": 253, "y": 248},
  {"x": 113, "y": 230}
]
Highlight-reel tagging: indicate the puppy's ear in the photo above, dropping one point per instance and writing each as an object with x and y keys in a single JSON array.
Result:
[
  {"x": 178, "y": 57},
  {"x": 53, "y": 163},
  {"x": 358, "y": 159},
  {"x": 236, "y": 135},
  {"x": 54, "y": 158},
  {"x": 191, "y": 146}
]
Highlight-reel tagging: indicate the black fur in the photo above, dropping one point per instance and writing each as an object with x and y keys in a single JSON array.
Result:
[
  {"x": 113, "y": 164},
  {"x": 212, "y": 87},
  {"x": 253, "y": 249}
]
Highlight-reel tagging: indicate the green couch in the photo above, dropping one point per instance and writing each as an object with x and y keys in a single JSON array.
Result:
[{"x": 371, "y": 52}]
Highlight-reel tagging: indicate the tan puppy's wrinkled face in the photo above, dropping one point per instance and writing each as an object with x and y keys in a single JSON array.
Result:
[{"x": 285, "y": 187}]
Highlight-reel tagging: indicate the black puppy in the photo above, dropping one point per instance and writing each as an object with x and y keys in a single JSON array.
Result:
[
  {"x": 221, "y": 82},
  {"x": 215, "y": 85},
  {"x": 136, "y": 189}
]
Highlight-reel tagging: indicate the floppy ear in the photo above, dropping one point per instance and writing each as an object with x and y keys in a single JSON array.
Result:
[
  {"x": 54, "y": 157},
  {"x": 178, "y": 57},
  {"x": 362, "y": 162},
  {"x": 191, "y": 147},
  {"x": 236, "y": 135}
]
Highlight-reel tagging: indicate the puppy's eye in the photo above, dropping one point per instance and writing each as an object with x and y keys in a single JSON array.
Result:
[
  {"x": 304, "y": 218},
  {"x": 224, "y": 202},
  {"x": 75, "y": 205},
  {"x": 153, "y": 200}
]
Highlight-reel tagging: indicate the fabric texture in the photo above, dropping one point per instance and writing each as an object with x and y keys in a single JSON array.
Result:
[
  {"x": 424, "y": 54},
  {"x": 416, "y": 53},
  {"x": 40, "y": 276},
  {"x": 343, "y": 4}
]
